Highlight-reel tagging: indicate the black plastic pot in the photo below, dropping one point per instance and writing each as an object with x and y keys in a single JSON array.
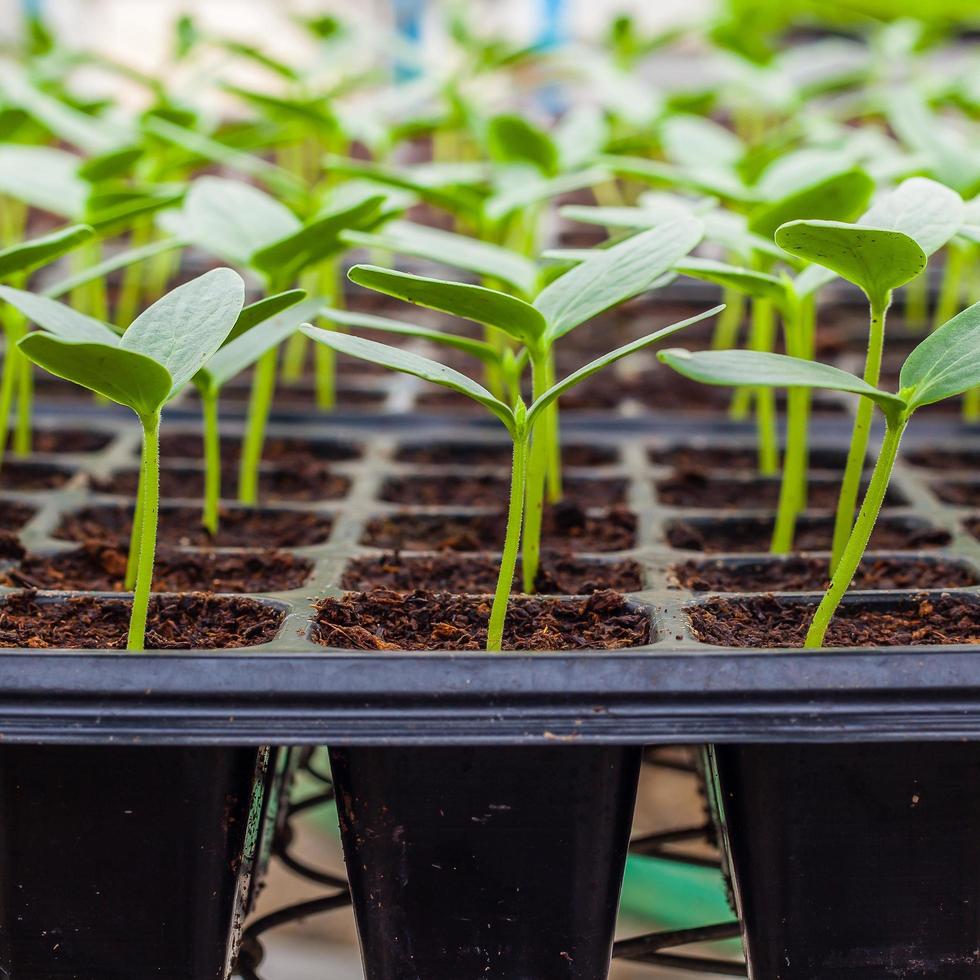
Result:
[
  {"x": 854, "y": 862},
  {"x": 123, "y": 862},
  {"x": 486, "y": 863}
]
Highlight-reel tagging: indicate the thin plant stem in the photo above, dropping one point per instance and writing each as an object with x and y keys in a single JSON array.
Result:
[
  {"x": 8, "y": 382},
  {"x": 23, "y": 432},
  {"x": 916, "y": 300},
  {"x": 971, "y": 400},
  {"x": 859, "y": 537},
  {"x": 212, "y": 459},
  {"x": 856, "y": 454},
  {"x": 537, "y": 468},
  {"x": 150, "y": 467},
  {"x": 259, "y": 406},
  {"x": 729, "y": 320},
  {"x": 553, "y": 436},
  {"x": 324, "y": 358},
  {"x": 131, "y": 288},
  {"x": 297, "y": 346},
  {"x": 762, "y": 338},
  {"x": 512, "y": 543},
  {"x": 132, "y": 559},
  {"x": 951, "y": 287}
]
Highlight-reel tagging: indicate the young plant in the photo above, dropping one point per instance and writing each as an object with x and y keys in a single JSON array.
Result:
[
  {"x": 163, "y": 349},
  {"x": 944, "y": 365},
  {"x": 605, "y": 279},
  {"x": 518, "y": 419}
]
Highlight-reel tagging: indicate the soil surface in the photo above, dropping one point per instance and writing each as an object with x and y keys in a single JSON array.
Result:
[
  {"x": 497, "y": 454},
  {"x": 102, "y": 568},
  {"x": 303, "y": 480},
  {"x": 13, "y": 516},
  {"x": 713, "y": 458},
  {"x": 565, "y": 525},
  {"x": 944, "y": 459},
  {"x": 696, "y": 489},
  {"x": 558, "y": 575},
  {"x": 383, "y": 620},
  {"x": 277, "y": 449},
  {"x": 752, "y": 534},
  {"x": 963, "y": 494},
  {"x": 27, "y": 475},
  {"x": 805, "y": 574},
  {"x": 175, "y": 622},
  {"x": 238, "y": 528},
  {"x": 488, "y": 491},
  {"x": 769, "y": 621},
  {"x": 70, "y": 440}
]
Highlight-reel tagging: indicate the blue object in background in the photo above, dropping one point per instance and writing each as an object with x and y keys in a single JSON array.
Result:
[
  {"x": 409, "y": 19},
  {"x": 552, "y": 31}
]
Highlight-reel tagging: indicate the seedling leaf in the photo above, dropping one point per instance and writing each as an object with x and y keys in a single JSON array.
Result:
[
  {"x": 923, "y": 209},
  {"x": 757, "y": 284},
  {"x": 947, "y": 362},
  {"x": 43, "y": 177},
  {"x": 264, "y": 309},
  {"x": 512, "y": 139},
  {"x": 59, "y": 319},
  {"x": 40, "y": 251}
]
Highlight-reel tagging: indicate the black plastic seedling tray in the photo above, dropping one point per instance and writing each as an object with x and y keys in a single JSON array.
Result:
[{"x": 675, "y": 690}]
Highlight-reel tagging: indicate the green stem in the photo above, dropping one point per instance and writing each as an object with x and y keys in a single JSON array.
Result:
[
  {"x": 552, "y": 435},
  {"x": 858, "y": 540},
  {"x": 851, "y": 483},
  {"x": 11, "y": 373},
  {"x": 537, "y": 468},
  {"x": 259, "y": 406},
  {"x": 916, "y": 298},
  {"x": 951, "y": 287},
  {"x": 212, "y": 459},
  {"x": 762, "y": 338},
  {"x": 150, "y": 471},
  {"x": 324, "y": 358},
  {"x": 23, "y": 436},
  {"x": 134, "y": 535},
  {"x": 131, "y": 287},
  {"x": 512, "y": 543},
  {"x": 729, "y": 320}
]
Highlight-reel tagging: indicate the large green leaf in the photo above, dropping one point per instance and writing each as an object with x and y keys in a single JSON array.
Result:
[
  {"x": 40, "y": 251},
  {"x": 123, "y": 376},
  {"x": 512, "y": 315},
  {"x": 544, "y": 400},
  {"x": 286, "y": 258},
  {"x": 613, "y": 275},
  {"x": 512, "y": 139},
  {"x": 183, "y": 329},
  {"x": 234, "y": 220},
  {"x": 837, "y": 198},
  {"x": 57, "y": 318},
  {"x": 517, "y": 193},
  {"x": 263, "y": 309},
  {"x": 734, "y": 368},
  {"x": 457, "y": 251},
  {"x": 876, "y": 259},
  {"x": 43, "y": 177},
  {"x": 367, "y": 321},
  {"x": 947, "y": 362},
  {"x": 406, "y": 362},
  {"x": 923, "y": 209},
  {"x": 761, "y": 285}
]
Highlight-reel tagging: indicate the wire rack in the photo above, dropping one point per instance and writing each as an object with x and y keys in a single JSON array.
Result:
[{"x": 655, "y": 949}]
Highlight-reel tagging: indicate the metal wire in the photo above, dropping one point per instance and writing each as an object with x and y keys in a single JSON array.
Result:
[{"x": 648, "y": 949}]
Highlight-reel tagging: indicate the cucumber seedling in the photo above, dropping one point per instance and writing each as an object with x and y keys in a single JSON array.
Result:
[
  {"x": 163, "y": 349},
  {"x": 605, "y": 279},
  {"x": 944, "y": 365},
  {"x": 518, "y": 419}
]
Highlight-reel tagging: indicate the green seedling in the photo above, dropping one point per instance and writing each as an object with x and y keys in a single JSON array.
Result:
[
  {"x": 518, "y": 419},
  {"x": 163, "y": 349},
  {"x": 886, "y": 249},
  {"x": 944, "y": 365},
  {"x": 604, "y": 280}
]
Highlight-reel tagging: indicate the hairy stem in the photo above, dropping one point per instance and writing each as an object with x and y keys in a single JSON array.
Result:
[
  {"x": 150, "y": 471},
  {"x": 553, "y": 436},
  {"x": 858, "y": 540},
  {"x": 537, "y": 468},
  {"x": 512, "y": 543},
  {"x": 856, "y": 454},
  {"x": 212, "y": 460},
  {"x": 259, "y": 406},
  {"x": 132, "y": 559}
]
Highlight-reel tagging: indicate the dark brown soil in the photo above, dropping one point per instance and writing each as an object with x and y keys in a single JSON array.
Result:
[
  {"x": 972, "y": 524},
  {"x": 559, "y": 575},
  {"x": 176, "y": 622},
  {"x": 70, "y": 440},
  {"x": 277, "y": 449},
  {"x": 565, "y": 526},
  {"x": 944, "y": 459},
  {"x": 964, "y": 493},
  {"x": 239, "y": 527},
  {"x": 382, "y": 620},
  {"x": 768, "y": 621},
  {"x": 489, "y": 491},
  {"x": 696, "y": 489},
  {"x": 303, "y": 399},
  {"x": 102, "y": 568},
  {"x": 752, "y": 534},
  {"x": 25, "y": 475},
  {"x": 497, "y": 454},
  {"x": 804, "y": 574},
  {"x": 13, "y": 516},
  {"x": 306, "y": 480},
  {"x": 714, "y": 458}
]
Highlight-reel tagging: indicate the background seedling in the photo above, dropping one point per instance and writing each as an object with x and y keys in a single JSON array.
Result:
[
  {"x": 516, "y": 418},
  {"x": 163, "y": 349},
  {"x": 944, "y": 365}
]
